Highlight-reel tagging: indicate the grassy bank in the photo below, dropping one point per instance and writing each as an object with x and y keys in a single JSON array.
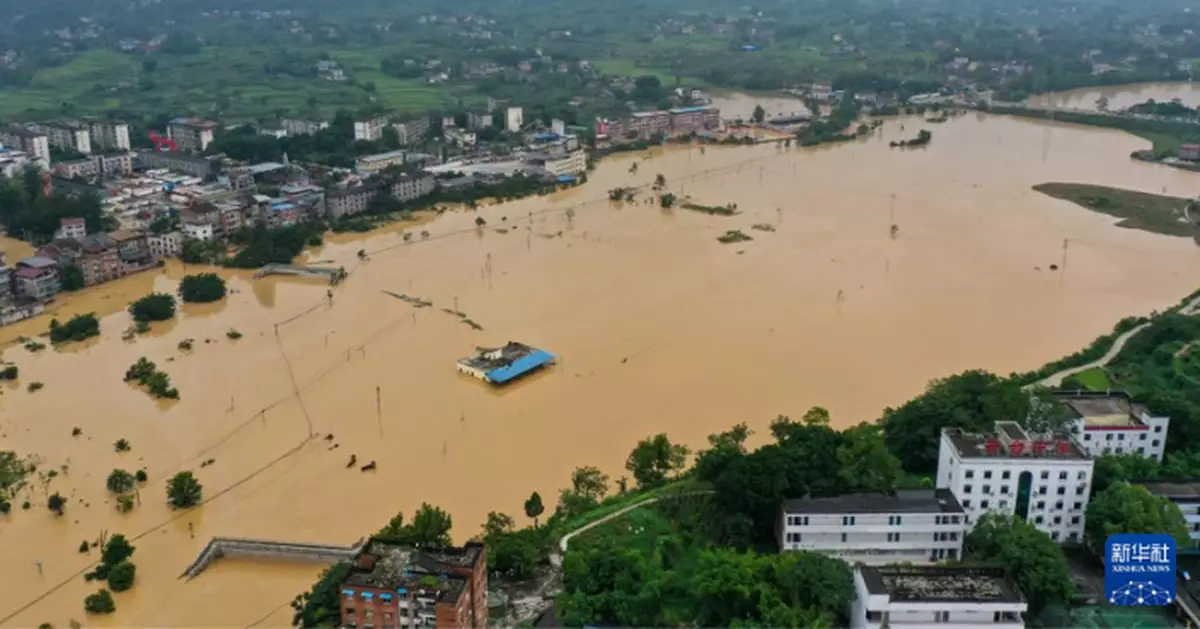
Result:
[
  {"x": 1165, "y": 135},
  {"x": 1137, "y": 210}
]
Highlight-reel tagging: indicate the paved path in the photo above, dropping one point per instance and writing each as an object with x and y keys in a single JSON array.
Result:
[{"x": 1055, "y": 380}]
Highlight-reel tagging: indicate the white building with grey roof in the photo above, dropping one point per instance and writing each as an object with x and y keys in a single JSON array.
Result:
[
  {"x": 1109, "y": 422},
  {"x": 928, "y": 596},
  {"x": 1046, "y": 481},
  {"x": 906, "y": 525}
]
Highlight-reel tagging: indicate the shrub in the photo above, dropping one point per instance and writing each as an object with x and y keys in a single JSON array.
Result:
[
  {"x": 9, "y": 373},
  {"x": 120, "y": 481},
  {"x": 100, "y": 603},
  {"x": 56, "y": 503},
  {"x": 122, "y": 445},
  {"x": 202, "y": 288},
  {"x": 141, "y": 476},
  {"x": 153, "y": 307},
  {"x": 120, "y": 576},
  {"x": 34, "y": 387},
  {"x": 233, "y": 334},
  {"x": 80, "y": 327},
  {"x": 183, "y": 491}
]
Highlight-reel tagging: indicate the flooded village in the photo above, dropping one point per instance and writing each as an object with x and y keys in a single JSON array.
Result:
[{"x": 880, "y": 270}]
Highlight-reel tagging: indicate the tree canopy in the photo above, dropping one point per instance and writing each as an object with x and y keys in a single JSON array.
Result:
[
  {"x": 153, "y": 307},
  {"x": 655, "y": 460},
  {"x": 184, "y": 491},
  {"x": 1034, "y": 561},
  {"x": 202, "y": 288},
  {"x": 1125, "y": 508}
]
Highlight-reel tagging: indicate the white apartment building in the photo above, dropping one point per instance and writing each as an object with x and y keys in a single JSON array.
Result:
[
  {"x": 1185, "y": 493},
  {"x": 191, "y": 135},
  {"x": 370, "y": 130},
  {"x": 514, "y": 119},
  {"x": 36, "y": 144},
  {"x": 300, "y": 126},
  {"x": 66, "y": 135},
  {"x": 922, "y": 597},
  {"x": 902, "y": 526},
  {"x": 110, "y": 135},
  {"x": 1044, "y": 481},
  {"x": 168, "y": 245},
  {"x": 1108, "y": 422},
  {"x": 368, "y": 164},
  {"x": 13, "y": 162},
  {"x": 198, "y": 230},
  {"x": 569, "y": 163}
]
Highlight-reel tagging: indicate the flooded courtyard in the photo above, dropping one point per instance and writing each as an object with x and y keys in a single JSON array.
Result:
[{"x": 659, "y": 328}]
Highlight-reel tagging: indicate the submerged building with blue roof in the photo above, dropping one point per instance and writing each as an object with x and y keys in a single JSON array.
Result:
[{"x": 505, "y": 364}]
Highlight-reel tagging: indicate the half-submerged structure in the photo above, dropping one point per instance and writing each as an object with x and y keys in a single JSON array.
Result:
[{"x": 504, "y": 364}]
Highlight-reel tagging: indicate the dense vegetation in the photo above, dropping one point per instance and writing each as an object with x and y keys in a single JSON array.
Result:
[
  {"x": 153, "y": 307},
  {"x": 202, "y": 288},
  {"x": 157, "y": 382},
  {"x": 262, "y": 246},
  {"x": 184, "y": 491},
  {"x": 28, "y": 213},
  {"x": 78, "y": 328}
]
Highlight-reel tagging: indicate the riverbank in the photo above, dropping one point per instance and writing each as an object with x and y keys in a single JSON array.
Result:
[{"x": 1155, "y": 213}]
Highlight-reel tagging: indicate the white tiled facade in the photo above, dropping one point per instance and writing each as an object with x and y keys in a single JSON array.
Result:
[
  {"x": 985, "y": 473},
  {"x": 906, "y": 526},
  {"x": 168, "y": 245},
  {"x": 1109, "y": 422},
  {"x": 929, "y": 598},
  {"x": 370, "y": 130}
]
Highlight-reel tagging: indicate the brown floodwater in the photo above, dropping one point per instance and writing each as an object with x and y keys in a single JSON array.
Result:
[
  {"x": 658, "y": 327},
  {"x": 1121, "y": 96}
]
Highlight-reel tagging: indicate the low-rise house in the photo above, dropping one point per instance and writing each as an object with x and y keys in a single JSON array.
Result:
[
  {"x": 300, "y": 126},
  {"x": 133, "y": 251},
  {"x": 926, "y": 596},
  {"x": 34, "y": 143},
  {"x": 902, "y": 526},
  {"x": 14, "y": 162},
  {"x": 71, "y": 228},
  {"x": 99, "y": 259},
  {"x": 166, "y": 245},
  {"x": 1109, "y": 422},
  {"x": 369, "y": 164},
  {"x": 202, "y": 167},
  {"x": 410, "y": 187},
  {"x": 36, "y": 278},
  {"x": 561, "y": 164},
  {"x": 392, "y": 585},
  {"x": 195, "y": 228},
  {"x": 1190, "y": 152}
]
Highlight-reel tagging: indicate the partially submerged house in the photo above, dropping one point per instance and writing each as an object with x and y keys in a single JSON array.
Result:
[{"x": 504, "y": 364}]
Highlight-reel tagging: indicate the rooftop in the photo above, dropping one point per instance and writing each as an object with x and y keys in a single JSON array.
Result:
[
  {"x": 647, "y": 114},
  {"x": 691, "y": 110},
  {"x": 194, "y": 122},
  {"x": 899, "y": 501},
  {"x": 37, "y": 262},
  {"x": 1101, "y": 409},
  {"x": 507, "y": 363},
  {"x": 1187, "y": 489},
  {"x": 941, "y": 584},
  {"x": 1009, "y": 440},
  {"x": 391, "y": 566},
  {"x": 382, "y": 157}
]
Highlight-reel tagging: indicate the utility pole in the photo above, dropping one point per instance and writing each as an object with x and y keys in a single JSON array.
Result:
[{"x": 379, "y": 411}]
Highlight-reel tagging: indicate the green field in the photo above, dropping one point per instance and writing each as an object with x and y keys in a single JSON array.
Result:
[
  {"x": 1095, "y": 379},
  {"x": 1137, "y": 210}
]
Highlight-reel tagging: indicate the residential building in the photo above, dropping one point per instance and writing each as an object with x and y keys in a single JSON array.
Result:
[
  {"x": 74, "y": 228},
  {"x": 1108, "y": 422},
  {"x": 36, "y": 278},
  {"x": 374, "y": 163},
  {"x": 198, "y": 229},
  {"x": 202, "y": 167},
  {"x": 6, "y": 285},
  {"x": 70, "y": 136},
  {"x": 348, "y": 201},
  {"x": 903, "y": 526},
  {"x": 191, "y": 135},
  {"x": 641, "y": 126},
  {"x": 34, "y": 143},
  {"x": 110, "y": 135},
  {"x": 133, "y": 251},
  {"x": 85, "y": 168},
  {"x": 1185, "y": 493},
  {"x": 273, "y": 132},
  {"x": 98, "y": 259},
  {"x": 370, "y": 129},
  {"x": 300, "y": 126},
  {"x": 1190, "y": 152},
  {"x": 479, "y": 119},
  {"x": 392, "y": 585},
  {"x": 13, "y": 162},
  {"x": 412, "y": 131},
  {"x": 461, "y": 137},
  {"x": 562, "y": 164},
  {"x": 514, "y": 119},
  {"x": 168, "y": 245},
  {"x": 1045, "y": 481},
  {"x": 927, "y": 596},
  {"x": 410, "y": 187},
  {"x": 686, "y": 120}
]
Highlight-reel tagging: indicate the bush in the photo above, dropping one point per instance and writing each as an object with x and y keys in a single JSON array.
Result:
[
  {"x": 34, "y": 387},
  {"x": 233, "y": 334},
  {"x": 202, "y": 288},
  {"x": 122, "y": 445},
  {"x": 121, "y": 576},
  {"x": 56, "y": 503},
  {"x": 119, "y": 482},
  {"x": 99, "y": 603},
  {"x": 79, "y": 328},
  {"x": 183, "y": 491},
  {"x": 153, "y": 307},
  {"x": 141, "y": 476},
  {"x": 71, "y": 278}
]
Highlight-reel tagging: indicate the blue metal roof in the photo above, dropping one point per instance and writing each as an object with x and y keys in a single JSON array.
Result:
[
  {"x": 689, "y": 110},
  {"x": 521, "y": 366}
]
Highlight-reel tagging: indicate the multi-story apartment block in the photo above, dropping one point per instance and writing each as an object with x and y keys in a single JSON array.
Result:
[
  {"x": 13, "y": 162},
  {"x": 1044, "y": 481},
  {"x": 411, "y": 187},
  {"x": 300, "y": 126},
  {"x": 110, "y": 135},
  {"x": 370, "y": 129},
  {"x": 641, "y": 125},
  {"x": 167, "y": 245},
  {"x": 36, "y": 278},
  {"x": 560, "y": 164},
  {"x": 412, "y": 131},
  {"x": 35, "y": 143},
  {"x": 1185, "y": 493},
  {"x": 133, "y": 251},
  {"x": 66, "y": 135},
  {"x": 904, "y": 526},
  {"x": 935, "y": 596},
  {"x": 98, "y": 259},
  {"x": 192, "y": 135},
  {"x": 95, "y": 165},
  {"x": 686, "y": 120},
  {"x": 514, "y": 119},
  {"x": 349, "y": 201},
  {"x": 374, "y": 163},
  {"x": 1108, "y": 422},
  {"x": 392, "y": 585},
  {"x": 479, "y": 119}
]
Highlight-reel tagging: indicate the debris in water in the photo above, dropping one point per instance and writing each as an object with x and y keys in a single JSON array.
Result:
[
  {"x": 624, "y": 360},
  {"x": 732, "y": 236},
  {"x": 1053, "y": 267},
  {"x": 368, "y": 467},
  {"x": 329, "y": 437},
  {"x": 763, "y": 227},
  {"x": 416, "y": 302},
  {"x": 353, "y": 461},
  {"x": 474, "y": 326}
]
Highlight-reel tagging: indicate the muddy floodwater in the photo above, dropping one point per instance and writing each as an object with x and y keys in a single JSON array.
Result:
[
  {"x": 659, "y": 328},
  {"x": 1120, "y": 96}
]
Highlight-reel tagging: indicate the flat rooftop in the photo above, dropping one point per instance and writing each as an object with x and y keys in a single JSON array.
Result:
[
  {"x": 1009, "y": 440},
  {"x": 1101, "y": 409},
  {"x": 390, "y": 566},
  {"x": 899, "y": 501},
  {"x": 1186, "y": 489},
  {"x": 941, "y": 584}
]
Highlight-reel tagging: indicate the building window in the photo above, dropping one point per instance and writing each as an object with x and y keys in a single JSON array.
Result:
[
  {"x": 1039, "y": 519},
  {"x": 954, "y": 537},
  {"x": 1042, "y": 490},
  {"x": 1058, "y": 519},
  {"x": 1078, "y": 506},
  {"x": 966, "y": 504},
  {"x": 1154, "y": 443},
  {"x": 1087, "y": 436},
  {"x": 1062, "y": 476},
  {"x": 1004, "y": 489},
  {"x": 987, "y": 490},
  {"x": 1058, "y": 505},
  {"x": 1108, "y": 437},
  {"x": 987, "y": 474},
  {"x": 1158, "y": 429},
  {"x": 1121, "y": 437},
  {"x": 1005, "y": 474},
  {"x": 941, "y": 616},
  {"x": 843, "y": 537},
  {"x": 983, "y": 504},
  {"x": 969, "y": 474},
  {"x": 1062, "y": 491},
  {"x": 1041, "y": 504},
  {"x": 1003, "y": 504},
  {"x": 1054, "y": 535},
  {"x": 1079, "y": 491},
  {"x": 848, "y": 520},
  {"x": 1142, "y": 436},
  {"x": 1045, "y": 475},
  {"x": 1074, "y": 519},
  {"x": 967, "y": 489}
]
